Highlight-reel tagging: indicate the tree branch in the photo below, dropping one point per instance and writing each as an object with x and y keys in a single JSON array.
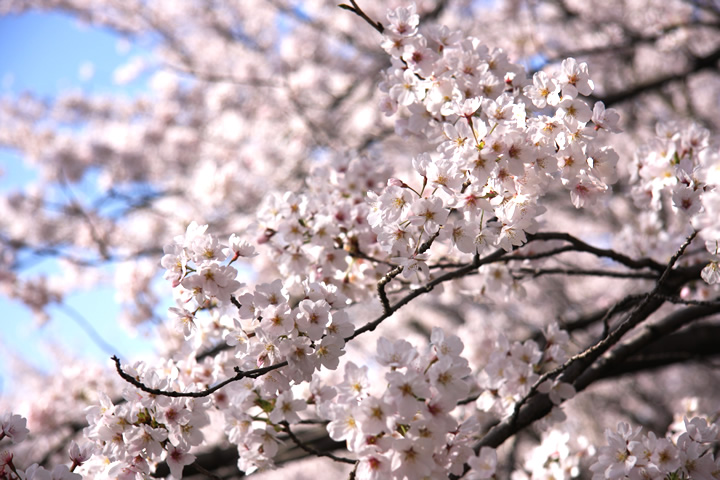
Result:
[
  {"x": 202, "y": 393},
  {"x": 599, "y": 252},
  {"x": 538, "y": 272},
  {"x": 359, "y": 12},
  {"x": 538, "y": 405},
  {"x": 311, "y": 450}
]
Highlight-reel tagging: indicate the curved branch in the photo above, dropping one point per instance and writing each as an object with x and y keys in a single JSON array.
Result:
[
  {"x": 582, "y": 246},
  {"x": 202, "y": 393},
  {"x": 311, "y": 450}
]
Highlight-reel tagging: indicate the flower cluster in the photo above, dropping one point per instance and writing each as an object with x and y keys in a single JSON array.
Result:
[
  {"x": 195, "y": 261},
  {"x": 13, "y": 428},
  {"x": 504, "y": 145},
  {"x": 558, "y": 456},
  {"x": 630, "y": 454},
  {"x": 409, "y": 429},
  {"x": 502, "y": 141},
  {"x": 514, "y": 368},
  {"x": 406, "y": 428},
  {"x": 264, "y": 330},
  {"x": 322, "y": 234},
  {"x": 677, "y": 184},
  {"x": 258, "y": 364},
  {"x": 131, "y": 437}
]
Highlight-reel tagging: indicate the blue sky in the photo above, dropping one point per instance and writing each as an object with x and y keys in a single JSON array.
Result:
[{"x": 46, "y": 54}]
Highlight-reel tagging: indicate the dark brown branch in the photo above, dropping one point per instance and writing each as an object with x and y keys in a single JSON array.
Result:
[
  {"x": 682, "y": 301},
  {"x": 538, "y": 272},
  {"x": 356, "y": 253},
  {"x": 498, "y": 255},
  {"x": 694, "y": 344},
  {"x": 603, "y": 315},
  {"x": 222, "y": 461},
  {"x": 539, "y": 255},
  {"x": 652, "y": 302},
  {"x": 311, "y": 450},
  {"x": 538, "y": 406},
  {"x": 212, "y": 352},
  {"x": 387, "y": 278},
  {"x": 459, "y": 273},
  {"x": 235, "y": 302},
  {"x": 359, "y": 12},
  {"x": 581, "y": 246},
  {"x": 649, "y": 349},
  {"x": 202, "y": 393}
]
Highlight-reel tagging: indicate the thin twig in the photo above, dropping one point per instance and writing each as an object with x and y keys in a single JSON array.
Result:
[
  {"x": 599, "y": 252},
  {"x": 387, "y": 278},
  {"x": 199, "y": 394},
  {"x": 359, "y": 12},
  {"x": 311, "y": 450},
  {"x": 537, "y": 272},
  {"x": 623, "y": 304}
]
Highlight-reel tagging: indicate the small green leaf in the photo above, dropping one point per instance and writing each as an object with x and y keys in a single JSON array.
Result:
[{"x": 266, "y": 405}]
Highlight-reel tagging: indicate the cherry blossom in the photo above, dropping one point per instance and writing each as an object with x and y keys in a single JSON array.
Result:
[{"x": 424, "y": 241}]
